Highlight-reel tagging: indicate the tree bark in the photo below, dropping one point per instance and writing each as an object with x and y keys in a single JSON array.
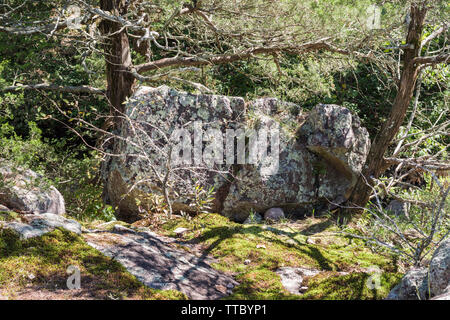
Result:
[
  {"x": 374, "y": 165},
  {"x": 118, "y": 58}
]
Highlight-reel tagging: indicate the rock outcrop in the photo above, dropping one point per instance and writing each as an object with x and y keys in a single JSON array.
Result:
[
  {"x": 281, "y": 157},
  {"x": 36, "y": 225},
  {"x": 439, "y": 270},
  {"x": 25, "y": 191},
  {"x": 424, "y": 283},
  {"x": 413, "y": 286},
  {"x": 155, "y": 261}
]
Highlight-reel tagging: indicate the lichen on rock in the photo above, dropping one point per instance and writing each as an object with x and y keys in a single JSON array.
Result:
[{"x": 285, "y": 175}]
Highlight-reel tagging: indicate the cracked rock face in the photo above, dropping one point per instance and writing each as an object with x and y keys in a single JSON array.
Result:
[{"x": 318, "y": 158}]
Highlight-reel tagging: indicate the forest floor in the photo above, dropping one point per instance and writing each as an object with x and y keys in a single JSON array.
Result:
[{"x": 251, "y": 254}]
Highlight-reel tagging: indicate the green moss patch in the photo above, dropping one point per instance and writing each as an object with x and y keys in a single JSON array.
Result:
[
  {"x": 351, "y": 287},
  {"x": 254, "y": 252},
  {"x": 260, "y": 284},
  {"x": 9, "y": 216}
]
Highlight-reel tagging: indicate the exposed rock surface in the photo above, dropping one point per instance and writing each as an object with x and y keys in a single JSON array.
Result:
[
  {"x": 320, "y": 154},
  {"x": 25, "y": 191},
  {"x": 292, "y": 278},
  {"x": 413, "y": 286},
  {"x": 444, "y": 296},
  {"x": 440, "y": 269},
  {"x": 424, "y": 283},
  {"x": 36, "y": 225},
  {"x": 157, "y": 264}
]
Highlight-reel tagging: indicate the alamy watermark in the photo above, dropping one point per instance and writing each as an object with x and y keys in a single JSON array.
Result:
[
  {"x": 252, "y": 147},
  {"x": 374, "y": 281},
  {"x": 74, "y": 280}
]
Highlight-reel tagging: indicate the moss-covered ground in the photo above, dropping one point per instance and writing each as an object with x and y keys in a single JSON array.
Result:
[
  {"x": 253, "y": 253},
  {"x": 40, "y": 265}
]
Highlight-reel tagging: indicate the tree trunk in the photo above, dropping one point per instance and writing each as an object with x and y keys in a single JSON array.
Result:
[
  {"x": 118, "y": 58},
  {"x": 375, "y": 160}
]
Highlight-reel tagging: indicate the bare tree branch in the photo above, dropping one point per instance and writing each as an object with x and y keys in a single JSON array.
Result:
[
  {"x": 431, "y": 60},
  {"x": 228, "y": 58},
  {"x": 54, "y": 87}
]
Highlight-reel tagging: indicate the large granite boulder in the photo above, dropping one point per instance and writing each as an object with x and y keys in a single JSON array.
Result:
[
  {"x": 155, "y": 118},
  {"x": 320, "y": 157},
  {"x": 293, "y": 160},
  {"x": 27, "y": 192}
]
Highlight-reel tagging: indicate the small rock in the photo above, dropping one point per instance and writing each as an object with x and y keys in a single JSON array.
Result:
[
  {"x": 31, "y": 276},
  {"x": 274, "y": 214},
  {"x": 3, "y": 208},
  {"x": 291, "y": 242},
  {"x": 247, "y": 261},
  {"x": 230, "y": 285},
  {"x": 180, "y": 231},
  {"x": 260, "y": 246},
  {"x": 120, "y": 228},
  {"x": 399, "y": 208}
]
